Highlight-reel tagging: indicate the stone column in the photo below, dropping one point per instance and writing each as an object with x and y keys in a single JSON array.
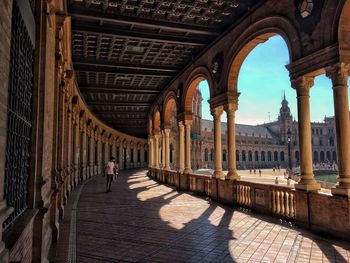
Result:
[
  {"x": 121, "y": 154},
  {"x": 167, "y": 149},
  {"x": 188, "y": 168},
  {"x": 99, "y": 155},
  {"x": 84, "y": 161},
  {"x": 339, "y": 75},
  {"x": 302, "y": 86},
  {"x": 76, "y": 151},
  {"x": 150, "y": 152},
  {"x": 231, "y": 142},
  {"x": 142, "y": 156},
  {"x": 92, "y": 154},
  {"x": 156, "y": 151},
  {"x": 218, "y": 173},
  {"x": 163, "y": 150},
  {"x": 136, "y": 161},
  {"x": 181, "y": 155}
]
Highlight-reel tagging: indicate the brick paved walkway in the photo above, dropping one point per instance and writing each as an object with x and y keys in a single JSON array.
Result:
[{"x": 142, "y": 221}]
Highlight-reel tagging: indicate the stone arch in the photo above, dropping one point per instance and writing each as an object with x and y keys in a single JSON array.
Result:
[
  {"x": 322, "y": 159},
  {"x": 150, "y": 126},
  {"x": 206, "y": 155},
  {"x": 296, "y": 154},
  {"x": 191, "y": 85},
  {"x": 282, "y": 156},
  {"x": 334, "y": 156},
  {"x": 170, "y": 102},
  {"x": 316, "y": 160},
  {"x": 255, "y": 34},
  {"x": 344, "y": 32},
  {"x": 156, "y": 122}
]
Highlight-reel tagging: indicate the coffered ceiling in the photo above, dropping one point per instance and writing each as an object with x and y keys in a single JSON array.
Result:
[{"x": 126, "y": 51}]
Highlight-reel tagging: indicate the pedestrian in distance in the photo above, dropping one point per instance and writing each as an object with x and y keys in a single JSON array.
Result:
[{"x": 110, "y": 169}]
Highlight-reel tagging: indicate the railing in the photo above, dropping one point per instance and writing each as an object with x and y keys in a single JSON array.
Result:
[
  {"x": 268, "y": 199},
  {"x": 276, "y": 200}
]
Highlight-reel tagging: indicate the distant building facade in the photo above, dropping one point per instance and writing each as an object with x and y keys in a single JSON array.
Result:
[{"x": 257, "y": 146}]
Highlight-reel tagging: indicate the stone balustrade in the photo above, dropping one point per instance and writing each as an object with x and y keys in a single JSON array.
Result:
[{"x": 313, "y": 210}]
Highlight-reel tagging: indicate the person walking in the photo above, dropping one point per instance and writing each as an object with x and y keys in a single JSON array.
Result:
[{"x": 109, "y": 171}]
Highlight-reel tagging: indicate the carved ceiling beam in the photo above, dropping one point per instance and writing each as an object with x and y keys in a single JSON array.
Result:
[
  {"x": 133, "y": 34},
  {"x": 86, "y": 14},
  {"x": 131, "y": 66},
  {"x": 116, "y": 89}
]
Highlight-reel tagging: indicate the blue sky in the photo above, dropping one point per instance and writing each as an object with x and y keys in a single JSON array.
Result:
[{"x": 263, "y": 79}]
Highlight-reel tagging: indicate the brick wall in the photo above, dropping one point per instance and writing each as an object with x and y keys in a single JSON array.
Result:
[{"x": 5, "y": 43}]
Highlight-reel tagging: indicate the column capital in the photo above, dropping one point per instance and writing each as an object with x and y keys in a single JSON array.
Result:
[
  {"x": 167, "y": 131},
  {"x": 338, "y": 73},
  {"x": 188, "y": 122},
  {"x": 217, "y": 111},
  {"x": 231, "y": 107},
  {"x": 303, "y": 85}
]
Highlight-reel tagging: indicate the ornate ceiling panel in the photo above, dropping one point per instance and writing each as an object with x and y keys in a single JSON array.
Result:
[{"x": 126, "y": 51}]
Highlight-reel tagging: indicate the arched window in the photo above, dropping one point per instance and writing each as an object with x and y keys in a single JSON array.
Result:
[
  {"x": 250, "y": 156},
  {"x": 282, "y": 156},
  {"x": 224, "y": 155},
  {"x": 334, "y": 157},
  {"x": 275, "y": 156},
  {"x": 263, "y": 156},
  {"x": 322, "y": 156},
  {"x": 237, "y": 155},
  {"x": 296, "y": 156},
  {"x": 315, "y": 157},
  {"x": 256, "y": 156},
  {"x": 328, "y": 154},
  {"x": 243, "y": 156},
  {"x": 212, "y": 155},
  {"x": 269, "y": 156},
  {"x": 206, "y": 155}
]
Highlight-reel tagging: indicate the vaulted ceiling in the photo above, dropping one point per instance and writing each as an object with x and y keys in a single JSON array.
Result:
[{"x": 126, "y": 51}]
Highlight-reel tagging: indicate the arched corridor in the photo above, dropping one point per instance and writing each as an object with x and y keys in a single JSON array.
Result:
[{"x": 144, "y": 221}]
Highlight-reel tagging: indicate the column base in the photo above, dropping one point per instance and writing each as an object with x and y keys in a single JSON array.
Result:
[
  {"x": 340, "y": 191},
  {"x": 187, "y": 171},
  {"x": 232, "y": 175},
  {"x": 167, "y": 168},
  {"x": 308, "y": 185},
  {"x": 218, "y": 174}
]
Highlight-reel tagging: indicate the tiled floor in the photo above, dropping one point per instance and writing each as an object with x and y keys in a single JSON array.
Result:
[{"x": 142, "y": 221}]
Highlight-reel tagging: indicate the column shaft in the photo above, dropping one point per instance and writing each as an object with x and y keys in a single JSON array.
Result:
[
  {"x": 307, "y": 182},
  {"x": 231, "y": 142},
  {"x": 156, "y": 151},
  {"x": 163, "y": 150},
  {"x": 188, "y": 168},
  {"x": 167, "y": 149},
  {"x": 181, "y": 157},
  {"x": 339, "y": 76},
  {"x": 217, "y": 142}
]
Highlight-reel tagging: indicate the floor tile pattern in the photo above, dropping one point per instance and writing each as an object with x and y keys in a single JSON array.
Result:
[{"x": 144, "y": 221}]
